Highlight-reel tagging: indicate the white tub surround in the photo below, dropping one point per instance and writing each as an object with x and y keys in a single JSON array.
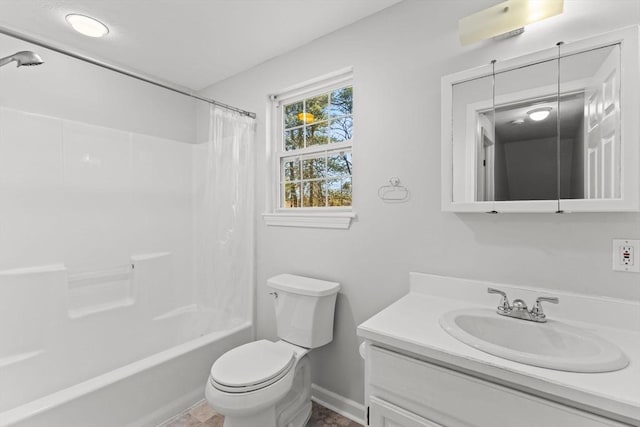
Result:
[
  {"x": 141, "y": 394},
  {"x": 126, "y": 244},
  {"x": 407, "y": 338}
]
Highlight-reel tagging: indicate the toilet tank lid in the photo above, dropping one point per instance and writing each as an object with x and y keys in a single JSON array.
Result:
[{"x": 303, "y": 285}]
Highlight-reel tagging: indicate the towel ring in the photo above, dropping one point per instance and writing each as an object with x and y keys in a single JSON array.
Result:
[{"x": 393, "y": 192}]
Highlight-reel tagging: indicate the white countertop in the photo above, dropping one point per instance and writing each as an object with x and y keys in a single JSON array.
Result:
[{"x": 412, "y": 325}]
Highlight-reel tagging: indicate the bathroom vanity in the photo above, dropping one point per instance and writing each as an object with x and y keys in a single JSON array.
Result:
[{"x": 418, "y": 374}]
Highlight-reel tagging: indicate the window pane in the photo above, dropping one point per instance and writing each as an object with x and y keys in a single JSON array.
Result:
[
  {"x": 293, "y": 139},
  {"x": 341, "y": 102},
  {"x": 339, "y": 164},
  {"x": 314, "y": 168},
  {"x": 317, "y": 134},
  {"x": 316, "y": 108},
  {"x": 341, "y": 129},
  {"x": 293, "y": 115},
  {"x": 291, "y": 195},
  {"x": 314, "y": 193},
  {"x": 291, "y": 170},
  {"x": 339, "y": 191}
]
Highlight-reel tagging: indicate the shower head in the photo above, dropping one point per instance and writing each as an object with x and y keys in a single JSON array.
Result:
[{"x": 25, "y": 57}]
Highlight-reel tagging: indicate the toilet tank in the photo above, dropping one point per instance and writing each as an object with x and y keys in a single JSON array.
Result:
[{"x": 304, "y": 309}]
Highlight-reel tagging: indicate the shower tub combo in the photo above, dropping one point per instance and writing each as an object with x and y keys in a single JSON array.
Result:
[
  {"x": 121, "y": 364},
  {"x": 98, "y": 327}
]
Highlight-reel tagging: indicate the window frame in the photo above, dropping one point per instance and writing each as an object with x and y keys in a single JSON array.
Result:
[{"x": 315, "y": 217}]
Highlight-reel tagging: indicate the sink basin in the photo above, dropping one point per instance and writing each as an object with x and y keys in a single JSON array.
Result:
[{"x": 553, "y": 345}]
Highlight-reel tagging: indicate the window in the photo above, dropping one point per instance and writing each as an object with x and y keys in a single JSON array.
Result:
[
  {"x": 315, "y": 153},
  {"x": 313, "y": 133}
]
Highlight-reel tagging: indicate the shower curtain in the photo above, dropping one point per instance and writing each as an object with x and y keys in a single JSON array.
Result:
[{"x": 224, "y": 217}]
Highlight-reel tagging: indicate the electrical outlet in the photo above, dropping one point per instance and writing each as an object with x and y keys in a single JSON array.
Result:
[{"x": 625, "y": 255}]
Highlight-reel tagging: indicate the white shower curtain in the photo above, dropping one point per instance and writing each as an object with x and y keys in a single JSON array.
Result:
[{"x": 224, "y": 216}]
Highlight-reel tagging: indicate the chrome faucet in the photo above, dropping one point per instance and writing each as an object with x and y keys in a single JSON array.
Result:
[{"x": 519, "y": 308}]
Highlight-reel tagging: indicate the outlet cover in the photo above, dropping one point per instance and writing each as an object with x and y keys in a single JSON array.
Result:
[{"x": 626, "y": 255}]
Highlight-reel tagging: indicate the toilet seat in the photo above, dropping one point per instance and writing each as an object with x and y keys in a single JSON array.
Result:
[{"x": 252, "y": 366}]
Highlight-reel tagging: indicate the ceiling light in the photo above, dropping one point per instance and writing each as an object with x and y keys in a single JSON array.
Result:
[
  {"x": 517, "y": 122},
  {"x": 507, "y": 17},
  {"x": 539, "y": 114},
  {"x": 87, "y": 25}
]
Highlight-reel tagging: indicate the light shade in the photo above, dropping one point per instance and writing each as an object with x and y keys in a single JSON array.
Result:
[
  {"x": 539, "y": 114},
  {"x": 505, "y": 17},
  {"x": 86, "y": 25}
]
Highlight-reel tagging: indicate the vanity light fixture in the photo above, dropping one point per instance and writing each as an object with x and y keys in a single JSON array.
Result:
[
  {"x": 87, "y": 25},
  {"x": 539, "y": 114},
  {"x": 506, "y": 19}
]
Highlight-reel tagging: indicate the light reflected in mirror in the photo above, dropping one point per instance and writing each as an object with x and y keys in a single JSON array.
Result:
[
  {"x": 521, "y": 164},
  {"x": 527, "y": 156}
]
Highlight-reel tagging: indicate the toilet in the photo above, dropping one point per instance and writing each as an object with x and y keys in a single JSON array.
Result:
[{"x": 266, "y": 383}]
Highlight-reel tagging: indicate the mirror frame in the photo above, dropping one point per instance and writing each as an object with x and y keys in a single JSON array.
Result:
[{"x": 629, "y": 201}]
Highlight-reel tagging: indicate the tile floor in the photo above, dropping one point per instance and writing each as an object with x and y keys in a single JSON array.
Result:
[{"x": 201, "y": 415}]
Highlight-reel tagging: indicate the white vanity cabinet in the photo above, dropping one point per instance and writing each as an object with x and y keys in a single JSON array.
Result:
[
  {"x": 382, "y": 413},
  {"x": 406, "y": 391},
  {"x": 417, "y": 374}
]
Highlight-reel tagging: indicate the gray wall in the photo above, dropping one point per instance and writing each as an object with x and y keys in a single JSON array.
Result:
[
  {"x": 532, "y": 170},
  {"x": 399, "y": 56}
]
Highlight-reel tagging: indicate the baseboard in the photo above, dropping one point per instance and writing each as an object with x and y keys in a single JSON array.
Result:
[{"x": 339, "y": 404}]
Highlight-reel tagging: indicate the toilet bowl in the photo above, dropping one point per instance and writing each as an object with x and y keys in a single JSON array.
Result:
[
  {"x": 253, "y": 376},
  {"x": 266, "y": 383}
]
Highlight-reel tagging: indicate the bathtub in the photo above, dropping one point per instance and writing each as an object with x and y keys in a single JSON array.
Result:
[{"x": 98, "y": 349}]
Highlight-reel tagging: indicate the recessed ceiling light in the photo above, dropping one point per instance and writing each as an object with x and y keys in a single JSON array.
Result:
[
  {"x": 86, "y": 25},
  {"x": 539, "y": 114}
]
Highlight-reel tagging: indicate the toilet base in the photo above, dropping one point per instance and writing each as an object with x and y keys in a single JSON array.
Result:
[
  {"x": 293, "y": 410},
  {"x": 301, "y": 418},
  {"x": 266, "y": 418}
]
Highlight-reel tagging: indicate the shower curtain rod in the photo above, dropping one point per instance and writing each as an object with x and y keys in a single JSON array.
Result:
[{"x": 29, "y": 39}]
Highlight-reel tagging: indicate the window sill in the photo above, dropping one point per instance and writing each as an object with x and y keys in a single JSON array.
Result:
[{"x": 337, "y": 220}]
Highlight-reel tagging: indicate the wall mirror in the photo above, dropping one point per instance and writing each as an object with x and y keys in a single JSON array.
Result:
[{"x": 553, "y": 131}]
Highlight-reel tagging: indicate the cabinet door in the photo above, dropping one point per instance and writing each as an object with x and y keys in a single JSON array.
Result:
[
  {"x": 384, "y": 414},
  {"x": 456, "y": 399}
]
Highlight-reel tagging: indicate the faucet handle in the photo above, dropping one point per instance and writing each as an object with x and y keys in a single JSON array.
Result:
[
  {"x": 504, "y": 306},
  {"x": 537, "y": 309}
]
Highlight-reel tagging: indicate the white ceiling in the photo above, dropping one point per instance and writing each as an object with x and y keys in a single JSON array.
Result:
[{"x": 192, "y": 43}]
